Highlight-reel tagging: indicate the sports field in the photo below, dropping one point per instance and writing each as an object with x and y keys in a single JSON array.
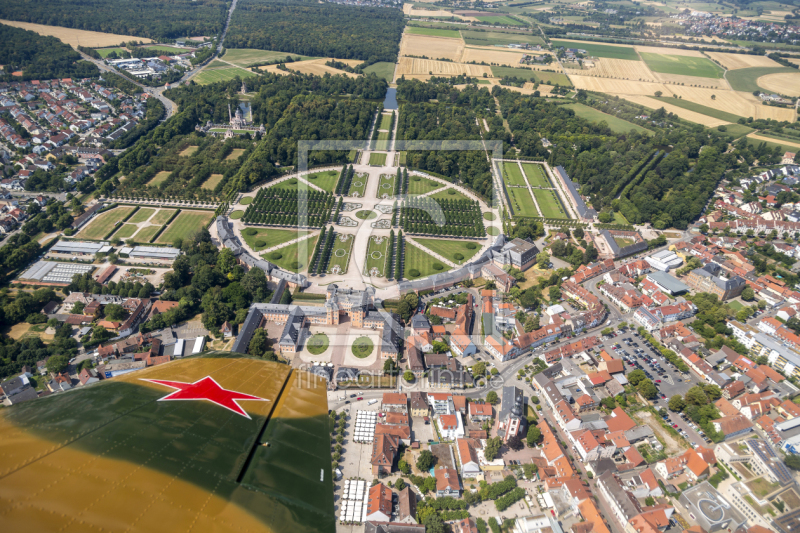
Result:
[
  {"x": 377, "y": 255},
  {"x": 549, "y": 204},
  {"x": 186, "y": 224},
  {"x": 358, "y": 185},
  {"x": 382, "y": 69},
  {"x": 141, "y": 215},
  {"x": 457, "y": 251},
  {"x": 159, "y": 178},
  {"x": 101, "y": 224},
  {"x": 419, "y": 264},
  {"x": 600, "y": 50},
  {"x": 420, "y": 185},
  {"x": 212, "y": 181},
  {"x": 522, "y": 202},
  {"x": 340, "y": 255},
  {"x": 616, "y": 124},
  {"x": 209, "y": 76},
  {"x": 325, "y": 180},
  {"x": 450, "y": 194},
  {"x": 289, "y": 258},
  {"x": 386, "y": 185},
  {"x": 244, "y": 57},
  {"x": 504, "y": 20},
  {"x": 268, "y": 238},
  {"x": 682, "y": 65},
  {"x": 125, "y": 231},
  {"x": 433, "y": 31},
  {"x": 513, "y": 175},
  {"x": 235, "y": 154},
  {"x": 699, "y": 108},
  {"x": 536, "y": 175},
  {"x": 377, "y": 160}
]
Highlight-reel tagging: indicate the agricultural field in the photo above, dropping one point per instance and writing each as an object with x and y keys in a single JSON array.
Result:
[
  {"x": 412, "y": 66},
  {"x": 737, "y": 61},
  {"x": 386, "y": 185},
  {"x": 294, "y": 257},
  {"x": 244, "y": 57},
  {"x": 317, "y": 67},
  {"x": 359, "y": 184},
  {"x": 682, "y": 65},
  {"x": 186, "y": 224},
  {"x": 513, "y": 175},
  {"x": 125, "y": 231},
  {"x": 683, "y": 113},
  {"x": 420, "y": 185},
  {"x": 264, "y": 238},
  {"x": 524, "y": 73},
  {"x": 430, "y": 46},
  {"x": 457, "y": 251},
  {"x": 212, "y": 181},
  {"x": 502, "y": 19},
  {"x": 498, "y": 56},
  {"x": 616, "y": 124},
  {"x": 450, "y": 194},
  {"x": 699, "y": 108},
  {"x": 522, "y": 202},
  {"x": 754, "y": 140},
  {"x": 600, "y": 50},
  {"x": 208, "y": 76},
  {"x": 235, "y": 154},
  {"x": 340, "y": 255},
  {"x": 382, "y": 69},
  {"x": 491, "y": 38},
  {"x": 616, "y": 68},
  {"x": 433, "y": 32},
  {"x": 159, "y": 178},
  {"x": 549, "y": 203},
  {"x": 167, "y": 49},
  {"x": 536, "y": 175},
  {"x": 325, "y": 180},
  {"x": 377, "y": 256},
  {"x": 75, "y": 38},
  {"x": 419, "y": 264},
  {"x": 786, "y": 83},
  {"x": 141, "y": 215},
  {"x": 101, "y": 224},
  {"x": 551, "y": 78},
  {"x": 377, "y": 160},
  {"x": 105, "y": 52},
  {"x": 746, "y": 79}
]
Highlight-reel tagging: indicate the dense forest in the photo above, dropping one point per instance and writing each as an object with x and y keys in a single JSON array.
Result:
[
  {"x": 155, "y": 19},
  {"x": 39, "y": 56},
  {"x": 325, "y": 29}
]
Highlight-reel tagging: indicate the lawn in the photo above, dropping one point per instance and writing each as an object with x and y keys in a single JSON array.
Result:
[
  {"x": 550, "y": 78},
  {"x": 125, "y": 231},
  {"x": 188, "y": 151},
  {"x": 244, "y": 57},
  {"x": 761, "y": 486},
  {"x": 317, "y": 344},
  {"x": 212, "y": 181},
  {"x": 433, "y": 31},
  {"x": 383, "y": 141},
  {"x": 377, "y": 254},
  {"x": 522, "y": 202},
  {"x": 386, "y": 185},
  {"x": 699, "y": 108},
  {"x": 420, "y": 185},
  {"x": 489, "y": 216},
  {"x": 164, "y": 48},
  {"x": 141, "y": 215},
  {"x": 457, "y": 251},
  {"x": 616, "y": 124},
  {"x": 772, "y": 145},
  {"x": 377, "y": 160},
  {"x": 209, "y": 76},
  {"x": 493, "y": 231},
  {"x": 268, "y": 238},
  {"x": 186, "y": 224},
  {"x": 501, "y": 19},
  {"x": 246, "y": 200},
  {"x": 236, "y": 215},
  {"x": 419, "y": 264},
  {"x": 146, "y": 234},
  {"x": 744, "y": 79},
  {"x": 162, "y": 216},
  {"x": 622, "y": 242},
  {"x": 736, "y": 130},
  {"x": 536, "y": 175},
  {"x": 104, "y": 52},
  {"x": 450, "y": 194},
  {"x": 490, "y": 38},
  {"x": 620, "y": 219},
  {"x": 512, "y": 174},
  {"x": 159, "y": 178},
  {"x": 359, "y": 184},
  {"x": 386, "y": 121},
  {"x": 289, "y": 258},
  {"x": 101, "y": 224},
  {"x": 324, "y": 180},
  {"x": 363, "y": 347},
  {"x": 235, "y": 154},
  {"x": 382, "y": 69},
  {"x": 682, "y": 65},
  {"x": 601, "y": 50},
  {"x": 549, "y": 203},
  {"x": 366, "y": 214},
  {"x": 340, "y": 255},
  {"x": 735, "y": 305}
]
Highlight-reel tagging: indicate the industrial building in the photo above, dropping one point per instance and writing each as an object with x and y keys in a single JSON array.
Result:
[
  {"x": 80, "y": 247},
  {"x": 54, "y": 272},
  {"x": 664, "y": 260}
]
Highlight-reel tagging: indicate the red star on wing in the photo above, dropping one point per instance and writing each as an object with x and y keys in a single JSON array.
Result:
[{"x": 206, "y": 389}]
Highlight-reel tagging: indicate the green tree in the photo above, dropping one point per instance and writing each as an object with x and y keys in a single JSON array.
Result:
[
  {"x": 649, "y": 501},
  {"x": 636, "y": 376},
  {"x": 390, "y": 367},
  {"x": 425, "y": 460},
  {"x": 403, "y": 466},
  {"x": 259, "y": 344},
  {"x": 479, "y": 369},
  {"x": 543, "y": 260},
  {"x": 748, "y": 294},
  {"x": 408, "y": 376},
  {"x": 696, "y": 396},
  {"x": 492, "y": 447},
  {"x": 712, "y": 391},
  {"x": 491, "y": 397},
  {"x": 534, "y": 435},
  {"x": 114, "y": 312},
  {"x": 647, "y": 389},
  {"x": 57, "y": 364},
  {"x": 676, "y": 403},
  {"x": 792, "y": 461}
]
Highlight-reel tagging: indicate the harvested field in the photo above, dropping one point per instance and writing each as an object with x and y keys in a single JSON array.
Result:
[
  {"x": 736, "y": 61},
  {"x": 773, "y": 140},
  {"x": 741, "y": 104},
  {"x": 500, "y": 57},
  {"x": 317, "y": 67},
  {"x": 411, "y": 11},
  {"x": 685, "y": 114},
  {"x": 410, "y": 65},
  {"x": 786, "y": 83},
  {"x": 244, "y": 57},
  {"x": 617, "y": 68},
  {"x": 75, "y": 37},
  {"x": 668, "y": 51},
  {"x": 606, "y": 85},
  {"x": 430, "y": 46},
  {"x": 674, "y": 79}
]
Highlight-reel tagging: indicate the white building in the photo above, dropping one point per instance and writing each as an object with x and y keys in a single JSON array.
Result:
[{"x": 664, "y": 260}]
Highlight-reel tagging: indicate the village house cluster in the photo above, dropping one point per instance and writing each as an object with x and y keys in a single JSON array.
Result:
[{"x": 737, "y": 28}]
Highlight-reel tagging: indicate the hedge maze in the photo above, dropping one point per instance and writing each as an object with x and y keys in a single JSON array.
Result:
[
  {"x": 429, "y": 216},
  {"x": 285, "y": 207}
]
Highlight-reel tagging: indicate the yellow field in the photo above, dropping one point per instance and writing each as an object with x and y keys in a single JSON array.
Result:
[
  {"x": 739, "y": 103},
  {"x": 666, "y": 50},
  {"x": 272, "y": 69},
  {"x": 617, "y": 68},
  {"x": 189, "y": 150},
  {"x": 75, "y": 37},
  {"x": 606, "y": 85},
  {"x": 499, "y": 57},
  {"x": 426, "y": 67},
  {"x": 430, "y": 46},
  {"x": 681, "y": 112},
  {"x": 794, "y": 60},
  {"x": 318, "y": 67},
  {"x": 787, "y": 83},
  {"x": 413, "y": 12},
  {"x": 736, "y": 61},
  {"x": 773, "y": 140},
  {"x": 713, "y": 83}
]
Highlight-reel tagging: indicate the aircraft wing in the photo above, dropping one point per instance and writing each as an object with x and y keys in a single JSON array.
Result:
[{"x": 222, "y": 442}]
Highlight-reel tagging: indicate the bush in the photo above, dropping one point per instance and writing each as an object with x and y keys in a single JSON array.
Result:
[
  {"x": 260, "y": 244},
  {"x": 250, "y": 231},
  {"x": 438, "y": 266},
  {"x": 452, "y": 192},
  {"x": 471, "y": 245},
  {"x": 458, "y": 257},
  {"x": 276, "y": 256},
  {"x": 413, "y": 272},
  {"x": 296, "y": 265}
]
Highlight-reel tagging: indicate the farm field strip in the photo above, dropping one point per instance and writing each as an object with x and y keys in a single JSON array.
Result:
[
  {"x": 616, "y": 124},
  {"x": 431, "y": 46},
  {"x": 682, "y": 65},
  {"x": 685, "y": 114},
  {"x": 244, "y": 57},
  {"x": 599, "y": 50},
  {"x": 75, "y": 38},
  {"x": 737, "y": 61},
  {"x": 616, "y": 68},
  {"x": 208, "y": 76},
  {"x": 787, "y": 83}
]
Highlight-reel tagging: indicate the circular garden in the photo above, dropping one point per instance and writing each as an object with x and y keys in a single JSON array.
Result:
[
  {"x": 317, "y": 344},
  {"x": 493, "y": 231},
  {"x": 236, "y": 215},
  {"x": 247, "y": 200},
  {"x": 362, "y": 347},
  {"x": 366, "y": 214},
  {"x": 489, "y": 215}
]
